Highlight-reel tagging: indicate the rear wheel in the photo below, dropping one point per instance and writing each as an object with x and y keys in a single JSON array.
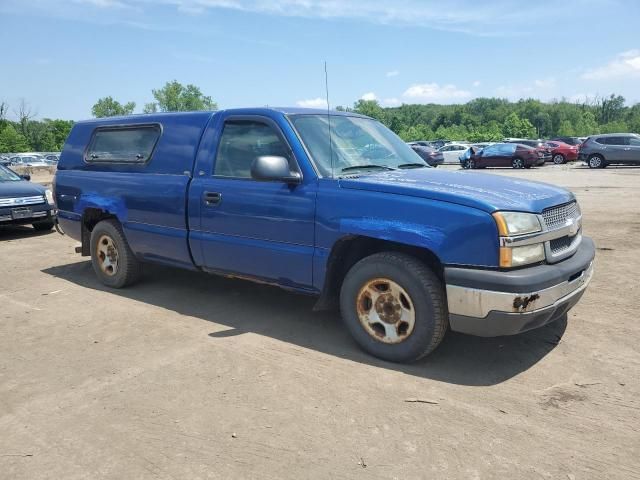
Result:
[
  {"x": 596, "y": 161},
  {"x": 113, "y": 261},
  {"x": 558, "y": 159},
  {"x": 394, "y": 307},
  {"x": 517, "y": 163}
]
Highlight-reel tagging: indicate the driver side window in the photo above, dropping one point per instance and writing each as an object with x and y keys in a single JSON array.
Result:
[{"x": 243, "y": 141}]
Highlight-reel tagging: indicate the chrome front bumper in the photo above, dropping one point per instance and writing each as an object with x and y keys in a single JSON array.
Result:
[
  {"x": 472, "y": 302},
  {"x": 523, "y": 300}
]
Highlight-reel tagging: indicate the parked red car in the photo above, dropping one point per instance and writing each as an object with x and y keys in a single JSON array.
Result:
[
  {"x": 563, "y": 152},
  {"x": 504, "y": 155}
]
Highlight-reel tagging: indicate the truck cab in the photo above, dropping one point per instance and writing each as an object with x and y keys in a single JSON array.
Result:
[{"x": 330, "y": 204}]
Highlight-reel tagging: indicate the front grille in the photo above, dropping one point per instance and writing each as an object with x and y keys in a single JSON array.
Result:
[
  {"x": 555, "y": 217},
  {"x": 559, "y": 245},
  {"x": 21, "y": 201}
]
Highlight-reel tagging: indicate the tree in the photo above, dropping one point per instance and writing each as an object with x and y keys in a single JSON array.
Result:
[
  {"x": 60, "y": 131},
  {"x": 514, "y": 126},
  {"x": 24, "y": 114},
  {"x": 175, "y": 97},
  {"x": 587, "y": 125},
  {"x": 611, "y": 108},
  {"x": 566, "y": 129},
  {"x": 40, "y": 137},
  {"x": 370, "y": 108},
  {"x": 12, "y": 140},
  {"x": 4, "y": 108},
  {"x": 150, "y": 108},
  {"x": 108, "y": 107}
]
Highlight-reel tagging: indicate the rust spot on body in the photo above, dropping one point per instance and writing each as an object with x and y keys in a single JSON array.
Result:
[{"x": 520, "y": 304}]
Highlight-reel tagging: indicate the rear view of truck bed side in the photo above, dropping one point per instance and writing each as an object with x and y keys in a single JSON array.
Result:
[{"x": 149, "y": 199}]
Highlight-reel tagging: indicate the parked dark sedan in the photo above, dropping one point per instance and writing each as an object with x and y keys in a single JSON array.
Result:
[
  {"x": 503, "y": 155},
  {"x": 428, "y": 154},
  {"x": 23, "y": 202}
]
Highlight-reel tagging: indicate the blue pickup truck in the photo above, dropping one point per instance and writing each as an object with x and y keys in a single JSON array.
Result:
[{"x": 330, "y": 204}]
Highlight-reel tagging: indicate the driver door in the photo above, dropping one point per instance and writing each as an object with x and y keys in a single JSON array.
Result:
[{"x": 261, "y": 229}]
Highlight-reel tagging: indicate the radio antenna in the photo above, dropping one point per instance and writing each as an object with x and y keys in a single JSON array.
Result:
[{"x": 326, "y": 86}]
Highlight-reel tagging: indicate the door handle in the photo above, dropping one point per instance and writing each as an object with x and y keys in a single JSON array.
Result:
[{"x": 212, "y": 199}]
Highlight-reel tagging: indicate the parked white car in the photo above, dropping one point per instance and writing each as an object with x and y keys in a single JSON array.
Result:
[
  {"x": 452, "y": 152},
  {"x": 29, "y": 160}
]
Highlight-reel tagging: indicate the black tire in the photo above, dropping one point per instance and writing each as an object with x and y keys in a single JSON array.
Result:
[
  {"x": 44, "y": 226},
  {"x": 517, "y": 163},
  {"x": 559, "y": 159},
  {"x": 128, "y": 268},
  {"x": 426, "y": 296},
  {"x": 596, "y": 161}
]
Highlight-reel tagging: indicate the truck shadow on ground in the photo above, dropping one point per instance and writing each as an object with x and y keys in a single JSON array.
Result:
[
  {"x": 18, "y": 232},
  {"x": 265, "y": 310}
]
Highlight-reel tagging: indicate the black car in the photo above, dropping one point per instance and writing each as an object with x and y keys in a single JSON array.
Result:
[
  {"x": 428, "y": 154},
  {"x": 24, "y": 203},
  {"x": 568, "y": 140},
  {"x": 4, "y": 161}
]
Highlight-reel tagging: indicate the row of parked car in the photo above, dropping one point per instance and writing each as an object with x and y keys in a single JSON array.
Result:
[
  {"x": 597, "y": 151},
  {"x": 30, "y": 159}
]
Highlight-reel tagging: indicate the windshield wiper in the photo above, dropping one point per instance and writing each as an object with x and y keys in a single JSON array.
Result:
[
  {"x": 413, "y": 165},
  {"x": 362, "y": 167}
]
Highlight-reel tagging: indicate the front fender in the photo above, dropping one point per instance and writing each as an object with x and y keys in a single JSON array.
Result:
[{"x": 455, "y": 234}]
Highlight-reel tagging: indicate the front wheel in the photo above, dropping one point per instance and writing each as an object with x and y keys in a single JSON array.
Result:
[
  {"x": 558, "y": 159},
  {"x": 113, "y": 261},
  {"x": 596, "y": 161},
  {"x": 394, "y": 307}
]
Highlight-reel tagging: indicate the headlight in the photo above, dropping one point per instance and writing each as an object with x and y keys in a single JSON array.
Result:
[
  {"x": 518, "y": 256},
  {"x": 516, "y": 223},
  {"x": 513, "y": 224},
  {"x": 49, "y": 196}
]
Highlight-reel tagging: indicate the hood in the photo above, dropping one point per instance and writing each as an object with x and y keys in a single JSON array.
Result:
[
  {"x": 478, "y": 190},
  {"x": 20, "y": 189}
]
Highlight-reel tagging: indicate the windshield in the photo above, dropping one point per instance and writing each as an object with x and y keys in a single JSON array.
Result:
[
  {"x": 7, "y": 175},
  {"x": 357, "y": 144}
]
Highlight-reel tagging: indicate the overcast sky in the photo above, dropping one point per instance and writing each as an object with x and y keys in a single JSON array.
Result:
[{"x": 61, "y": 56}]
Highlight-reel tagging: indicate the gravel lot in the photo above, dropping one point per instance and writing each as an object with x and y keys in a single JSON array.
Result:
[{"x": 189, "y": 376}]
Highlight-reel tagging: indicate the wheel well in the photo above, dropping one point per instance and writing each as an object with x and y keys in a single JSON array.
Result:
[
  {"x": 350, "y": 250},
  {"x": 90, "y": 218}
]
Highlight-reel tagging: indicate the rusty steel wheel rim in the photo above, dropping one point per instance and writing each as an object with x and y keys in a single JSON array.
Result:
[
  {"x": 385, "y": 311},
  {"x": 107, "y": 255}
]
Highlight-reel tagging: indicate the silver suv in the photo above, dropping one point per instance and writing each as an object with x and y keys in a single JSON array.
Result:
[{"x": 598, "y": 151}]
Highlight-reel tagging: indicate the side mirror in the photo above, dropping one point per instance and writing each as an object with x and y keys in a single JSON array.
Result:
[
  {"x": 274, "y": 169},
  {"x": 26, "y": 177}
]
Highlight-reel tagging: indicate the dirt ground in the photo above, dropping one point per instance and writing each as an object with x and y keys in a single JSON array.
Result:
[{"x": 189, "y": 376}]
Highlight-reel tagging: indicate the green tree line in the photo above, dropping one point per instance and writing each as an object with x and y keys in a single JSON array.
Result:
[
  {"x": 481, "y": 119},
  {"x": 492, "y": 119},
  {"x": 29, "y": 135}
]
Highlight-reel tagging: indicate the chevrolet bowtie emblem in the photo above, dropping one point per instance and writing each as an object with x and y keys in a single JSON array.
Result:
[{"x": 574, "y": 227}]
